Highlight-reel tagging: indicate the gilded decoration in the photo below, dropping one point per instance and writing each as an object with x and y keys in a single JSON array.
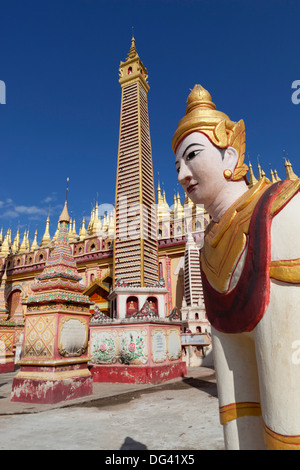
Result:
[
  {"x": 58, "y": 296},
  {"x": 32, "y": 309},
  {"x": 202, "y": 116},
  {"x": 286, "y": 271},
  {"x": 40, "y": 336},
  {"x": 73, "y": 336},
  {"x": 223, "y": 247},
  {"x": 6, "y": 341}
]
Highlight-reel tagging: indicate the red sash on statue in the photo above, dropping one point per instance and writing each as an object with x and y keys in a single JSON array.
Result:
[{"x": 240, "y": 309}]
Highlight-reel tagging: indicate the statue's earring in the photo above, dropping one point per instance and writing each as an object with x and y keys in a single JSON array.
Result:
[{"x": 227, "y": 174}]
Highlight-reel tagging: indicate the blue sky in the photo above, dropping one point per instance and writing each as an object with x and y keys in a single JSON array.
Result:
[{"x": 60, "y": 60}]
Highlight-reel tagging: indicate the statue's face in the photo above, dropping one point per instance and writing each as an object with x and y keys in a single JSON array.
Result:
[{"x": 200, "y": 166}]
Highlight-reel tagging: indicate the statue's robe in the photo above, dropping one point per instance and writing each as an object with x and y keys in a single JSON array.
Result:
[{"x": 236, "y": 263}]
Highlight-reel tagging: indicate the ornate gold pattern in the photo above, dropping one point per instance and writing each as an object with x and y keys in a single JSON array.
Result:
[
  {"x": 201, "y": 115},
  {"x": 223, "y": 247},
  {"x": 6, "y": 341},
  {"x": 40, "y": 336}
]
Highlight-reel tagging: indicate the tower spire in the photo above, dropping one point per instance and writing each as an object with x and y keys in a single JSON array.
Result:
[
  {"x": 24, "y": 245},
  {"x": 133, "y": 69},
  {"x": 34, "y": 245},
  {"x": 46, "y": 237},
  {"x": 252, "y": 179},
  {"x": 290, "y": 175},
  {"x": 135, "y": 193},
  {"x": 16, "y": 244},
  {"x": 5, "y": 248},
  {"x": 82, "y": 231},
  {"x": 132, "y": 51},
  {"x": 64, "y": 216}
]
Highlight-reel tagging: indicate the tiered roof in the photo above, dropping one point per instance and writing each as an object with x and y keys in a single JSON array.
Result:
[{"x": 60, "y": 280}]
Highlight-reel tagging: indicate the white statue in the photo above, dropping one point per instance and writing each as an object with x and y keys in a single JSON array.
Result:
[{"x": 250, "y": 265}]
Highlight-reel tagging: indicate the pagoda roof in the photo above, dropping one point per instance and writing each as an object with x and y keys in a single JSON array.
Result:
[{"x": 60, "y": 280}]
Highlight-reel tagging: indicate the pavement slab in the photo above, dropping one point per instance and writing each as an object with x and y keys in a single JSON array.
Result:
[{"x": 181, "y": 414}]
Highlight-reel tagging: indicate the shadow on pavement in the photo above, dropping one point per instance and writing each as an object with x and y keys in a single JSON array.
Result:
[
  {"x": 202, "y": 385},
  {"x": 131, "y": 444}
]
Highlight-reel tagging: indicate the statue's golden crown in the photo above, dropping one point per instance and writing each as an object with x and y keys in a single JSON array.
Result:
[{"x": 201, "y": 115}]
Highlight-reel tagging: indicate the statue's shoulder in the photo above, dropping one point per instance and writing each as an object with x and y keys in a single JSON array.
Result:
[
  {"x": 285, "y": 228},
  {"x": 285, "y": 196}
]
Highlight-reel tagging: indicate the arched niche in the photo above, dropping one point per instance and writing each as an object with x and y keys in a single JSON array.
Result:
[
  {"x": 132, "y": 305},
  {"x": 14, "y": 303},
  {"x": 153, "y": 303}
]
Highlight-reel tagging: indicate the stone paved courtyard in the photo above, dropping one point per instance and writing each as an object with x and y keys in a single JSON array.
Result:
[{"x": 179, "y": 415}]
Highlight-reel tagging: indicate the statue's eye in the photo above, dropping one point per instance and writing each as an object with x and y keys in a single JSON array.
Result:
[{"x": 192, "y": 154}]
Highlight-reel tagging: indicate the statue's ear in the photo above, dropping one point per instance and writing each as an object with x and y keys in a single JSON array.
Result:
[{"x": 230, "y": 158}]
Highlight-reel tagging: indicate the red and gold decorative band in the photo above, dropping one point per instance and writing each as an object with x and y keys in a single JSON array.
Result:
[
  {"x": 275, "y": 441},
  {"x": 286, "y": 271},
  {"x": 238, "y": 410}
]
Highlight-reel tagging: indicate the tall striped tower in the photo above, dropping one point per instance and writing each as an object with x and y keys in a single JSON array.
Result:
[
  {"x": 192, "y": 275},
  {"x": 193, "y": 309},
  {"x": 135, "y": 247}
]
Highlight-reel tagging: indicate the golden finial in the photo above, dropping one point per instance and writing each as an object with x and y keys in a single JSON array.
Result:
[
  {"x": 46, "y": 237},
  {"x": 5, "y": 248},
  {"x": 74, "y": 230},
  {"x": 27, "y": 241},
  {"x": 276, "y": 176},
  {"x": 82, "y": 231},
  {"x": 23, "y": 247},
  {"x": 273, "y": 179},
  {"x": 34, "y": 245},
  {"x": 252, "y": 179},
  {"x": 159, "y": 196},
  {"x": 70, "y": 234},
  {"x": 179, "y": 207},
  {"x": 132, "y": 51},
  {"x": 290, "y": 175},
  {"x": 64, "y": 216},
  {"x": 260, "y": 171},
  {"x": 16, "y": 244}
]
